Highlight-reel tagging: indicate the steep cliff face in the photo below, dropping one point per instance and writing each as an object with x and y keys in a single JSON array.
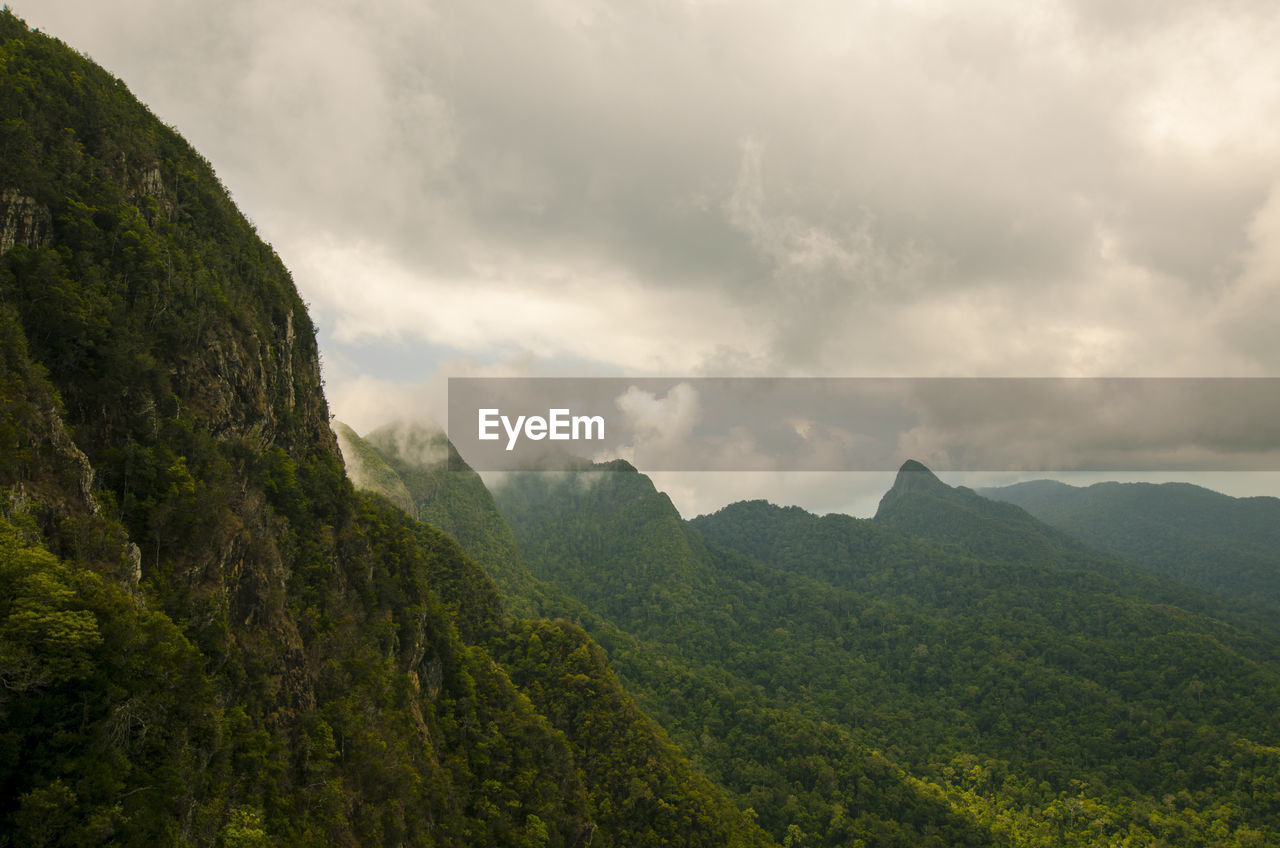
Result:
[
  {"x": 22, "y": 221},
  {"x": 206, "y": 636},
  {"x": 176, "y": 351},
  {"x": 167, "y": 459}
]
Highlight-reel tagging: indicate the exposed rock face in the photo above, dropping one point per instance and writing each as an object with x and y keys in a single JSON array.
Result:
[
  {"x": 146, "y": 183},
  {"x": 134, "y": 573},
  {"x": 72, "y": 454},
  {"x": 151, "y": 183},
  {"x": 22, "y": 221},
  {"x": 245, "y": 386}
]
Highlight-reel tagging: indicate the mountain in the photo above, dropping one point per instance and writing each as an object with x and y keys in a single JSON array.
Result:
[
  {"x": 417, "y": 468},
  {"x": 919, "y": 504},
  {"x": 722, "y": 651},
  {"x": 207, "y": 636},
  {"x": 952, "y": 669},
  {"x": 1202, "y": 538}
]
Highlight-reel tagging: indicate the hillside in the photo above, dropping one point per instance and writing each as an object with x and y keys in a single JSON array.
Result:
[
  {"x": 1202, "y": 538},
  {"x": 830, "y": 669},
  {"x": 207, "y": 637},
  {"x": 662, "y": 655},
  {"x": 417, "y": 468},
  {"x": 659, "y": 635}
]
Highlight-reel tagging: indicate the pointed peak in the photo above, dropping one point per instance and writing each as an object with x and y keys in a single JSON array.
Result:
[
  {"x": 614, "y": 465},
  {"x": 914, "y": 476}
]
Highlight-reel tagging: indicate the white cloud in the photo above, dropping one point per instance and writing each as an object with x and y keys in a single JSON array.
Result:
[
  {"x": 505, "y": 306},
  {"x": 1246, "y": 314}
]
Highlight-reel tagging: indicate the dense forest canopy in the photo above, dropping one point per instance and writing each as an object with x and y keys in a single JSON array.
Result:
[
  {"x": 1202, "y": 538},
  {"x": 952, "y": 672}
]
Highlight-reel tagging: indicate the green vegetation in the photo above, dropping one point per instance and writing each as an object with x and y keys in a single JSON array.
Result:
[
  {"x": 831, "y": 670},
  {"x": 96, "y": 691},
  {"x": 1202, "y": 538},
  {"x": 368, "y": 470},
  {"x": 418, "y": 469}
]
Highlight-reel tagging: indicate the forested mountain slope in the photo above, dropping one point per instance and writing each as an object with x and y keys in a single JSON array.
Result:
[
  {"x": 1200, "y": 537},
  {"x": 858, "y": 793},
  {"x": 207, "y": 637},
  {"x": 1035, "y": 702},
  {"x": 411, "y": 464},
  {"x": 962, "y": 520},
  {"x": 919, "y": 504}
]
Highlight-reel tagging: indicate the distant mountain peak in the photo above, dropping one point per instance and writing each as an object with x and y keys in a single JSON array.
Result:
[
  {"x": 912, "y": 466},
  {"x": 915, "y": 477}
]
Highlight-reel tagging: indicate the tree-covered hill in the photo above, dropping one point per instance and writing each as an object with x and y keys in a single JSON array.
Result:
[
  {"x": 882, "y": 805},
  {"x": 962, "y": 520},
  {"x": 831, "y": 670},
  {"x": 207, "y": 637},
  {"x": 415, "y": 466},
  {"x": 919, "y": 504},
  {"x": 1200, "y": 537}
]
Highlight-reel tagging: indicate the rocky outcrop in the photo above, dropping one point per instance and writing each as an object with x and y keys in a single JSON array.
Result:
[
  {"x": 23, "y": 221},
  {"x": 264, "y": 390}
]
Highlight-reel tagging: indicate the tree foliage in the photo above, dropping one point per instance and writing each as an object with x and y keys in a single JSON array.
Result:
[{"x": 985, "y": 685}]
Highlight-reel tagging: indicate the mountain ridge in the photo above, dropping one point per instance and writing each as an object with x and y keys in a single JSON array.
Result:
[
  {"x": 1004, "y": 658},
  {"x": 1203, "y": 538}
]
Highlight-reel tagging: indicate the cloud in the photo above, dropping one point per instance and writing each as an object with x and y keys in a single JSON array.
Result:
[
  {"x": 658, "y": 427},
  {"x": 1075, "y": 188},
  {"x": 1246, "y": 312},
  {"x": 698, "y": 187},
  {"x": 507, "y": 306}
]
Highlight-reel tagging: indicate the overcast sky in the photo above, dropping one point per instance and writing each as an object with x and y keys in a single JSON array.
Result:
[{"x": 707, "y": 187}]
